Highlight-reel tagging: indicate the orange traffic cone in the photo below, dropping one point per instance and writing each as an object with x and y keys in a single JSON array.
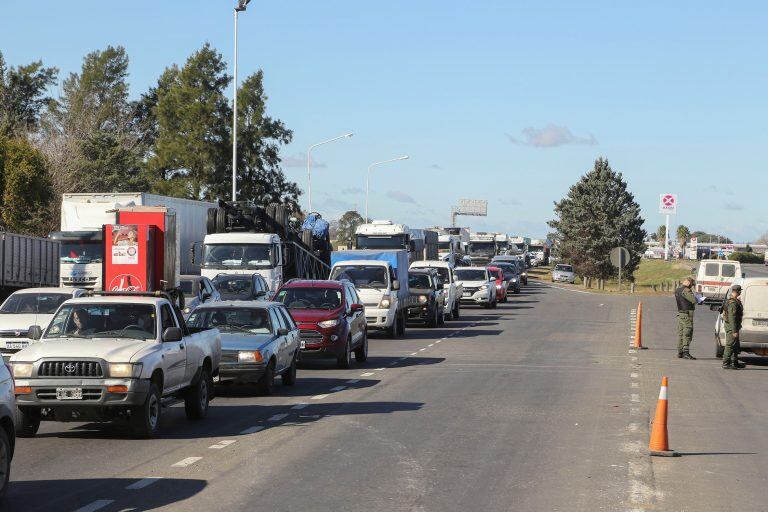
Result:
[
  {"x": 639, "y": 327},
  {"x": 659, "y": 444}
]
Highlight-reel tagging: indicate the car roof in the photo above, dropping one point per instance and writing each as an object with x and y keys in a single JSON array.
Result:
[
  {"x": 237, "y": 276},
  {"x": 252, "y": 304},
  {"x": 191, "y": 278},
  {"x": 115, "y": 299},
  {"x": 422, "y": 270},
  {"x": 470, "y": 268},
  {"x": 47, "y": 289},
  {"x": 313, "y": 283}
]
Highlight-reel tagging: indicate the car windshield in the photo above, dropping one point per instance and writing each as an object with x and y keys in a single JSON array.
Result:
[
  {"x": 564, "y": 268},
  {"x": 81, "y": 251},
  {"x": 34, "y": 303},
  {"x": 96, "y": 321},
  {"x": 471, "y": 274},
  {"x": 364, "y": 276},
  {"x": 235, "y": 287},
  {"x": 231, "y": 319},
  {"x": 418, "y": 281},
  {"x": 237, "y": 255},
  {"x": 310, "y": 298}
]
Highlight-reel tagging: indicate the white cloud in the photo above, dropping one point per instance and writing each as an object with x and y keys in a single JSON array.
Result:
[{"x": 551, "y": 136}]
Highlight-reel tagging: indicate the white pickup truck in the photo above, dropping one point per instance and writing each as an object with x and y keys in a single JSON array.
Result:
[
  {"x": 114, "y": 356},
  {"x": 453, "y": 289}
]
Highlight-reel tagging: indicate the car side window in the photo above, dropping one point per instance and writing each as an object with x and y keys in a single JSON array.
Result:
[
  {"x": 291, "y": 325},
  {"x": 166, "y": 317},
  {"x": 277, "y": 322},
  {"x": 348, "y": 299},
  {"x": 355, "y": 296},
  {"x": 264, "y": 284}
]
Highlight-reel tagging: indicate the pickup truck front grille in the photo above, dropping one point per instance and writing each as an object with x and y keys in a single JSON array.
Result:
[
  {"x": 50, "y": 394},
  {"x": 13, "y": 334},
  {"x": 70, "y": 369}
]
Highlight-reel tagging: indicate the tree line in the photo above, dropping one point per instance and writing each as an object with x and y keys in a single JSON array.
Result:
[{"x": 175, "y": 139}]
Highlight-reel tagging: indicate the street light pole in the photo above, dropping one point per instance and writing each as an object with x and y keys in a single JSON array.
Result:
[
  {"x": 368, "y": 179},
  {"x": 309, "y": 165},
  {"x": 241, "y": 5}
]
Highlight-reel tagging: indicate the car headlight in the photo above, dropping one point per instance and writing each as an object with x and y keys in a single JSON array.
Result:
[
  {"x": 22, "y": 370},
  {"x": 385, "y": 302},
  {"x": 525, "y": 274},
  {"x": 187, "y": 310},
  {"x": 328, "y": 323},
  {"x": 514, "y": 280},
  {"x": 249, "y": 356},
  {"x": 125, "y": 370},
  {"x": 423, "y": 299},
  {"x": 483, "y": 288}
]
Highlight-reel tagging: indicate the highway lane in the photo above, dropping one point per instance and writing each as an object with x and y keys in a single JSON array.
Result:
[
  {"x": 755, "y": 270},
  {"x": 537, "y": 405}
]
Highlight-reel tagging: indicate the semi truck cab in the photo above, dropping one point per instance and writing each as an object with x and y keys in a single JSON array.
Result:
[{"x": 244, "y": 253}]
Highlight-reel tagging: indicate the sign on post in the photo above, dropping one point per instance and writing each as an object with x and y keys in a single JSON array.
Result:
[
  {"x": 668, "y": 204},
  {"x": 619, "y": 259}
]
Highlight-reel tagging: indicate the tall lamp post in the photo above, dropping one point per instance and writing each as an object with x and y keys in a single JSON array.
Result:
[
  {"x": 368, "y": 179},
  {"x": 309, "y": 165},
  {"x": 241, "y": 5}
]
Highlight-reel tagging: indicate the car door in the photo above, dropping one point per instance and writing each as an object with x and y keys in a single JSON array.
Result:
[
  {"x": 292, "y": 339},
  {"x": 353, "y": 317},
  {"x": 174, "y": 353},
  {"x": 278, "y": 322}
]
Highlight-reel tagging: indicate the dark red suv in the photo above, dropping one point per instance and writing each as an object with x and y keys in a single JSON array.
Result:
[{"x": 331, "y": 318}]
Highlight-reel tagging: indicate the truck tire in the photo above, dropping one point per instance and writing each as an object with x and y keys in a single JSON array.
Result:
[
  {"x": 719, "y": 349},
  {"x": 5, "y": 462},
  {"x": 344, "y": 360},
  {"x": 221, "y": 220},
  {"x": 401, "y": 328},
  {"x": 361, "y": 352},
  {"x": 289, "y": 376},
  {"x": 198, "y": 396},
  {"x": 145, "y": 418},
  {"x": 433, "y": 320},
  {"x": 266, "y": 384},
  {"x": 210, "y": 221},
  {"x": 26, "y": 422}
]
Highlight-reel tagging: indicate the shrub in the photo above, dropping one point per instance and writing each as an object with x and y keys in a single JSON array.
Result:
[{"x": 746, "y": 257}]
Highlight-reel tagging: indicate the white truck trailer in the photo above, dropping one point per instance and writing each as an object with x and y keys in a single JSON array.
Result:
[{"x": 84, "y": 214}]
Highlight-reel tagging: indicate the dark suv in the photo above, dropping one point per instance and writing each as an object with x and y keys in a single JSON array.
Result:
[
  {"x": 331, "y": 318},
  {"x": 241, "y": 287},
  {"x": 429, "y": 307}
]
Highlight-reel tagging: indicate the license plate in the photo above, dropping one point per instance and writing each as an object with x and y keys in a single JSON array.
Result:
[
  {"x": 467, "y": 294},
  {"x": 69, "y": 393},
  {"x": 761, "y": 322},
  {"x": 303, "y": 344},
  {"x": 16, "y": 345}
]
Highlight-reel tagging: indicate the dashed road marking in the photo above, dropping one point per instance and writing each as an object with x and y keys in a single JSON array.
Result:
[
  {"x": 422, "y": 349},
  {"x": 366, "y": 374},
  {"x": 253, "y": 430},
  {"x": 379, "y": 369},
  {"x": 222, "y": 444},
  {"x": 635, "y": 397},
  {"x": 634, "y": 375},
  {"x": 278, "y": 417},
  {"x": 431, "y": 345},
  {"x": 186, "y": 462},
  {"x": 439, "y": 341},
  {"x": 96, "y": 505},
  {"x": 353, "y": 381},
  {"x": 144, "y": 482},
  {"x": 338, "y": 388},
  {"x": 318, "y": 397},
  {"x": 299, "y": 407},
  {"x": 412, "y": 353},
  {"x": 634, "y": 384}
]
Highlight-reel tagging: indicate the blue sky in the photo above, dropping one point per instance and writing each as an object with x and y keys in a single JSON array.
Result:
[{"x": 509, "y": 101}]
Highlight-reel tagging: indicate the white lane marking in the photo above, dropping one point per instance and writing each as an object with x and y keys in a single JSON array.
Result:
[
  {"x": 222, "y": 444},
  {"x": 414, "y": 353},
  {"x": 318, "y": 397},
  {"x": 565, "y": 289},
  {"x": 338, "y": 388},
  {"x": 144, "y": 482},
  {"x": 431, "y": 345},
  {"x": 186, "y": 462},
  {"x": 634, "y": 411},
  {"x": 379, "y": 369},
  {"x": 634, "y": 384},
  {"x": 634, "y": 358},
  {"x": 96, "y": 505},
  {"x": 632, "y": 351},
  {"x": 353, "y": 381},
  {"x": 422, "y": 349},
  {"x": 299, "y": 407},
  {"x": 278, "y": 417},
  {"x": 439, "y": 341},
  {"x": 366, "y": 374},
  {"x": 253, "y": 430},
  {"x": 634, "y": 375},
  {"x": 635, "y": 397}
]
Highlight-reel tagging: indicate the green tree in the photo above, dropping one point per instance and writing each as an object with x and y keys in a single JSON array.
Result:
[
  {"x": 348, "y": 223},
  {"x": 23, "y": 96},
  {"x": 661, "y": 233},
  {"x": 598, "y": 214},
  {"x": 25, "y": 189},
  {"x": 683, "y": 234}
]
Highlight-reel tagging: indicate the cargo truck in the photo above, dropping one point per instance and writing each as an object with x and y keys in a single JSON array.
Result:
[
  {"x": 83, "y": 216},
  {"x": 482, "y": 248},
  {"x": 27, "y": 262}
]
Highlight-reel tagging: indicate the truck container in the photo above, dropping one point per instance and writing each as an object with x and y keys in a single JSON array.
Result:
[
  {"x": 27, "y": 261},
  {"x": 84, "y": 214}
]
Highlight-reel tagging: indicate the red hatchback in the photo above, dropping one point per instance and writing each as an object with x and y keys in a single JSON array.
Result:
[
  {"x": 331, "y": 318},
  {"x": 501, "y": 284}
]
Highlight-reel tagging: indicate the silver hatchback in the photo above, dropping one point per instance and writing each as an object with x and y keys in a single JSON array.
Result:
[{"x": 563, "y": 274}]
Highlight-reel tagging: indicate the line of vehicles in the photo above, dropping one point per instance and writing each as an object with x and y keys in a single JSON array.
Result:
[{"x": 141, "y": 301}]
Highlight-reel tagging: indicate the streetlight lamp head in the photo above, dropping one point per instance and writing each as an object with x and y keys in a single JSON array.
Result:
[
  {"x": 349, "y": 135},
  {"x": 241, "y": 4}
]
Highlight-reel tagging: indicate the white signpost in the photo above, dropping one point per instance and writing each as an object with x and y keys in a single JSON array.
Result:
[{"x": 667, "y": 206}]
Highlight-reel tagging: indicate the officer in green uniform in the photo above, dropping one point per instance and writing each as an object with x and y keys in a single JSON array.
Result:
[
  {"x": 733, "y": 312},
  {"x": 686, "y": 303}
]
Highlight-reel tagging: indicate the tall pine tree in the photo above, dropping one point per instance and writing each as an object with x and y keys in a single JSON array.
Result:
[{"x": 598, "y": 214}]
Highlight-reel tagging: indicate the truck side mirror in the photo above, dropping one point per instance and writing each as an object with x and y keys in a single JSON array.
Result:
[
  {"x": 172, "y": 334},
  {"x": 35, "y": 332},
  {"x": 395, "y": 285}
]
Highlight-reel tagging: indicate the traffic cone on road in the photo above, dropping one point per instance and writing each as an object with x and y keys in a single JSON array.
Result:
[
  {"x": 639, "y": 327},
  {"x": 659, "y": 444}
]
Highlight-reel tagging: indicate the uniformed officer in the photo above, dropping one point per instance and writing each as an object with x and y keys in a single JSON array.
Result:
[
  {"x": 733, "y": 312},
  {"x": 686, "y": 303}
]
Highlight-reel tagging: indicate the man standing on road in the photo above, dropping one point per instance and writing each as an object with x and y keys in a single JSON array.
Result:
[
  {"x": 686, "y": 303},
  {"x": 733, "y": 311}
]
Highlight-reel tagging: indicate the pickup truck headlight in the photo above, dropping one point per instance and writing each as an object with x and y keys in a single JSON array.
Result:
[
  {"x": 385, "y": 302},
  {"x": 125, "y": 370},
  {"x": 250, "y": 356},
  {"x": 514, "y": 279},
  {"x": 423, "y": 299},
  {"x": 328, "y": 323},
  {"x": 23, "y": 370}
]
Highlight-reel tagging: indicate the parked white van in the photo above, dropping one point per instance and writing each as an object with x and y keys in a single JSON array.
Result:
[
  {"x": 753, "y": 336},
  {"x": 715, "y": 277}
]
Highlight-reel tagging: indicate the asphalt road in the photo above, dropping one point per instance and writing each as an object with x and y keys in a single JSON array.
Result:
[
  {"x": 755, "y": 270},
  {"x": 537, "y": 405}
]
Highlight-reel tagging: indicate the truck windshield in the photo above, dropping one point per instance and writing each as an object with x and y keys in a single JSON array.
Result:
[
  {"x": 444, "y": 246},
  {"x": 471, "y": 275},
  {"x": 310, "y": 298},
  {"x": 502, "y": 246},
  {"x": 34, "y": 303},
  {"x": 245, "y": 320},
  {"x": 364, "y": 276},
  {"x": 381, "y": 242},
  {"x": 237, "y": 255},
  {"x": 482, "y": 248},
  {"x": 81, "y": 251},
  {"x": 92, "y": 321},
  {"x": 418, "y": 281}
]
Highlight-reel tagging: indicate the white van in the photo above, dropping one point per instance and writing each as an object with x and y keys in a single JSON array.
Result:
[
  {"x": 754, "y": 326},
  {"x": 715, "y": 277}
]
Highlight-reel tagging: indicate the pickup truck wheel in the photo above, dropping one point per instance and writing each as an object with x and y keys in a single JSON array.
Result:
[
  {"x": 456, "y": 310},
  {"x": 145, "y": 418},
  {"x": 344, "y": 360},
  {"x": 5, "y": 462},
  {"x": 719, "y": 349},
  {"x": 361, "y": 352},
  {"x": 27, "y": 422},
  {"x": 401, "y": 324},
  {"x": 494, "y": 304},
  {"x": 392, "y": 330},
  {"x": 441, "y": 316},
  {"x": 289, "y": 376},
  {"x": 198, "y": 397},
  {"x": 266, "y": 384},
  {"x": 432, "y": 321}
]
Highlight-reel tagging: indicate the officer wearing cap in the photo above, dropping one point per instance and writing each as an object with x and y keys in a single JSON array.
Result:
[
  {"x": 686, "y": 303},
  {"x": 733, "y": 312}
]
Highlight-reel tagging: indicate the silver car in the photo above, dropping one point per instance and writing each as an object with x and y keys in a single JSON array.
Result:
[
  {"x": 563, "y": 274},
  {"x": 7, "y": 421},
  {"x": 197, "y": 290}
]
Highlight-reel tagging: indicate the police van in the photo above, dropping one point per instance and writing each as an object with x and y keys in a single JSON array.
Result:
[{"x": 715, "y": 277}]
